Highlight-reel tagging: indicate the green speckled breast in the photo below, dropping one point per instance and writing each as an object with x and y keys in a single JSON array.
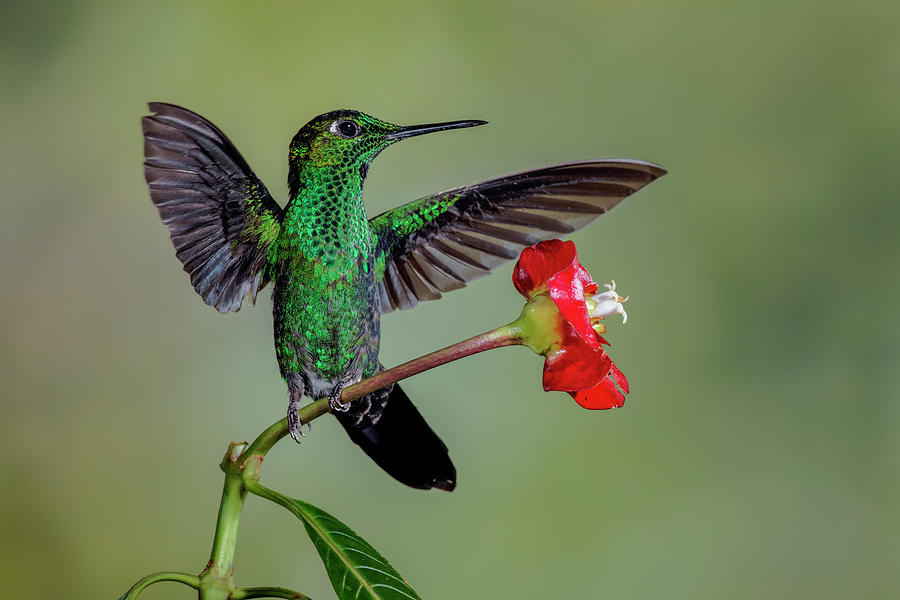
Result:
[{"x": 326, "y": 313}]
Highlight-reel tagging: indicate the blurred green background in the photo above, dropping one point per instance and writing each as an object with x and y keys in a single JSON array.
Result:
[{"x": 758, "y": 454}]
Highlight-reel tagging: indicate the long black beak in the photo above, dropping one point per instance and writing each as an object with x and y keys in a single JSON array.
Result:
[{"x": 413, "y": 130}]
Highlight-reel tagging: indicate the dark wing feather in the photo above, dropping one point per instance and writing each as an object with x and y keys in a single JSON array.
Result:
[
  {"x": 441, "y": 242},
  {"x": 221, "y": 218}
]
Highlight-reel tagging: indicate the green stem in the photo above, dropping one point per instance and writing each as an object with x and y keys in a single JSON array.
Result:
[
  {"x": 188, "y": 580},
  {"x": 258, "y": 489},
  {"x": 217, "y": 579},
  {"x": 266, "y": 592}
]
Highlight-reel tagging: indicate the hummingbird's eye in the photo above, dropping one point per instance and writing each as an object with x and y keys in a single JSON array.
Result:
[{"x": 347, "y": 129}]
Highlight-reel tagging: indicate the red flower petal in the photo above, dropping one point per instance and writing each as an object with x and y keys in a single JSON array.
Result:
[
  {"x": 575, "y": 362},
  {"x": 603, "y": 396},
  {"x": 538, "y": 263},
  {"x": 619, "y": 377},
  {"x": 567, "y": 290},
  {"x": 574, "y": 365}
]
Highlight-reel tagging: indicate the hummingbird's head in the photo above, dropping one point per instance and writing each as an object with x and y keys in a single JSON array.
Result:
[{"x": 349, "y": 140}]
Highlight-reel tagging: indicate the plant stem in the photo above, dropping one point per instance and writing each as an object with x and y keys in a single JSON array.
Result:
[
  {"x": 189, "y": 580},
  {"x": 496, "y": 338},
  {"x": 266, "y": 592},
  {"x": 217, "y": 579},
  {"x": 507, "y": 335}
]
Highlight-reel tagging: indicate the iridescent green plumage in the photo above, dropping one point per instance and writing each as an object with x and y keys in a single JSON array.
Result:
[{"x": 336, "y": 272}]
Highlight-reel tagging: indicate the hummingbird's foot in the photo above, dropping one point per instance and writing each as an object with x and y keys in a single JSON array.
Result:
[
  {"x": 295, "y": 425},
  {"x": 334, "y": 401}
]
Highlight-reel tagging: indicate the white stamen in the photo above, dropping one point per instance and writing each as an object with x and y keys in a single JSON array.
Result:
[{"x": 607, "y": 303}]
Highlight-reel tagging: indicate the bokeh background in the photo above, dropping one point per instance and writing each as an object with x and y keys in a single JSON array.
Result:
[{"x": 758, "y": 454}]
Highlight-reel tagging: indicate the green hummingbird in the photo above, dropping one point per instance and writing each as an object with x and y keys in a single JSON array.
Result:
[{"x": 335, "y": 271}]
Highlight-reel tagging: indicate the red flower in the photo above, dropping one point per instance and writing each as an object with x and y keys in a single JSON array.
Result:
[{"x": 561, "y": 322}]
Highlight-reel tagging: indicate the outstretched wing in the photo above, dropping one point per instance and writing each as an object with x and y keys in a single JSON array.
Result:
[
  {"x": 221, "y": 218},
  {"x": 439, "y": 243}
]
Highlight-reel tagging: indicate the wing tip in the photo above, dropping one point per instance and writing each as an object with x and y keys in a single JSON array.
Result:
[
  {"x": 163, "y": 108},
  {"x": 653, "y": 169}
]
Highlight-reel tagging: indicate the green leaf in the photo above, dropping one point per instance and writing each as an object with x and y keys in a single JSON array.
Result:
[
  {"x": 355, "y": 568},
  {"x": 357, "y": 571}
]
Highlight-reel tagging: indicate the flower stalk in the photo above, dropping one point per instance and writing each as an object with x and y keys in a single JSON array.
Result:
[{"x": 507, "y": 335}]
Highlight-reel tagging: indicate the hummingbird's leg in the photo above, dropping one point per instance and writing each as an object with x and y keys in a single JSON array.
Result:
[
  {"x": 295, "y": 426},
  {"x": 334, "y": 400}
]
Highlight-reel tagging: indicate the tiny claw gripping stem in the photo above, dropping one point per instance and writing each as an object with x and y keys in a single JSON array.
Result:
[
  {"x": 295, "y": 425},
  {"x": 334, "y": 401}
]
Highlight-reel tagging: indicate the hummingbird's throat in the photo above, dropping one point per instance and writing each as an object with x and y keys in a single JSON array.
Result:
[{"x": 326, "y": 215}]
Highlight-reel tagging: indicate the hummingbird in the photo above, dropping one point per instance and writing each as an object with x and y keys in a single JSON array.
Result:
[{"x": 335, "y": 271}]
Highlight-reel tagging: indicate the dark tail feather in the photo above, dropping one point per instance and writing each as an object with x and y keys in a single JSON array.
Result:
[{"x": 403, "y": 444}]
